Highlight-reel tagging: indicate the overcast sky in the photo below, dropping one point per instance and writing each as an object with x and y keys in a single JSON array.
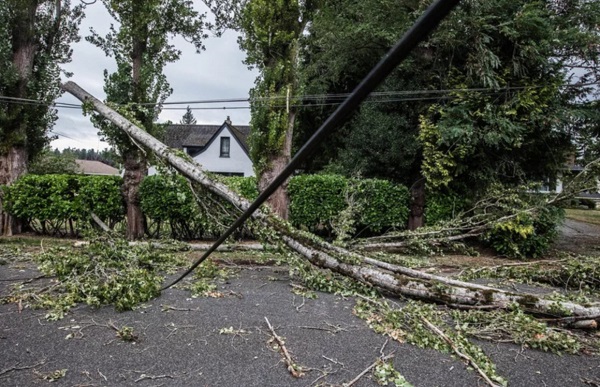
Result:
[{"x": 217, "y": 73}]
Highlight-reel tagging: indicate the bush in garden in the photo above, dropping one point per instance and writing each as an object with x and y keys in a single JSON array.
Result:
[
  {"x": 50, "y": 202},
  {"x": 169, "y": 199},
  {"x": 528, "y": 235},
  {"x": 316, "y": 202},
  {"x": 247, "y": 187},
  {"x": 443, "y": 207}
]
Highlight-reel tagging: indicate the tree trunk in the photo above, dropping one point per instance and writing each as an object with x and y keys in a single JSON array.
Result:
[
  {"x": 135, "y": 170},
  {"x": 279, "y": 200},
  {"x": 13, "y": 155},
  {"x": 392, "y": 278},
  {"x": 417, "y": 205},
  {"x": 13, "y": 165}
]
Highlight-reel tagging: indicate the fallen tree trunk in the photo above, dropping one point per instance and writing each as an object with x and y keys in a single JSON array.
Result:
[{"x": 389, "y": 277}]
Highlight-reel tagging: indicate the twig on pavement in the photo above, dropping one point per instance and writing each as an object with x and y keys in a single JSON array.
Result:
[{"x": 292, "y": 367}]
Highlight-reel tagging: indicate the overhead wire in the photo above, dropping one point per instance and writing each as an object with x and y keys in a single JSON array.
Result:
[
  {"x": 309, "y": 97},
  {"x": 418, "y": 32}
]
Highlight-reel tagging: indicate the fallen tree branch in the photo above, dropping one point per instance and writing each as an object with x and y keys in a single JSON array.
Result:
[
  {"x": 459, "y": 353},
  {"x": 99, "y": 222},
  {"x": 292, "y": 367},
  {"x": 152, "y": 377},
  {"x": 368, "y": 369},
  {"x": 18, "y": 368},
  {"x": 392, "y": 278}
]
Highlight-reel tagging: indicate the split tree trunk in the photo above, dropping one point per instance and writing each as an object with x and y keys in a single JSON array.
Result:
[{"x": 392, "y": 278}]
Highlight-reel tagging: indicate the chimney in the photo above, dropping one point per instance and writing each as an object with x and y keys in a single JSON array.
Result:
[{"x": 228, "y": 121}]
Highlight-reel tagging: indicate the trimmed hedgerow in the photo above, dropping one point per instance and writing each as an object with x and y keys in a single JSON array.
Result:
[
  {"x": 50, "y": 202},
  {"x": 170, "y": 200},
  {"x": 316, "y": 201}
]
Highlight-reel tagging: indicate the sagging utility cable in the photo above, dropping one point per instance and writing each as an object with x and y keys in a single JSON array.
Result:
[{"x": 417, "y": 33}]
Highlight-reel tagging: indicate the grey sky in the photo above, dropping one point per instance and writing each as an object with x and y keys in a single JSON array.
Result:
[{"x": 216, "y": 73}]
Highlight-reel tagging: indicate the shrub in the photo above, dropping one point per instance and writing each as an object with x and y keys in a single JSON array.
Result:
[
  {"x": 442, "y": 207},
  {"x": 528, "y": 235},
  {"x": 52, "y": 201},
  {"x": 383, "y": 204},
  {"x": 169, "y": 199},
  {"x": 244, "y": 186},
  {"x": 316, "y": 202}
]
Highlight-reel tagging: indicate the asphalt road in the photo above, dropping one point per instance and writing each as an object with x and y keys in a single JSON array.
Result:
[{"x": 184, "y": 341}]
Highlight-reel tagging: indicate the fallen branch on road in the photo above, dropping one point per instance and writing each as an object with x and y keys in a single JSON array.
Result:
[
  {"x": 292, "y": 367},
  {"x": 392, "y": 278},
  {"x": 470, "y": 361}
]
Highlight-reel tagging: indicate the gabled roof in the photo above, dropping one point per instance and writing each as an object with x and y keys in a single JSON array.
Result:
[
  {"x": 90, "y": 167},
  {"x": 200, "y": 136}
]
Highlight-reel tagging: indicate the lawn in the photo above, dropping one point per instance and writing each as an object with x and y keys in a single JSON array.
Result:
[{"x": 588, "y": 216}]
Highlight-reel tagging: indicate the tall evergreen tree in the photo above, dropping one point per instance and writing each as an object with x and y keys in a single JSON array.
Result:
[
  {"x": 188, "y": 118},
  {"x": 35, "y": 38},
  {"x": 485, "y": 100}
]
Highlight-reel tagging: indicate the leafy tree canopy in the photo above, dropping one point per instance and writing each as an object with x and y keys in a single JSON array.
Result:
[
  {"x": 484, "y": 100},
  {"x": 35, "y": 38}
]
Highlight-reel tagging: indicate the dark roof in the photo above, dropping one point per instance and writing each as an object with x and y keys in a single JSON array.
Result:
[{"x": 199, "y": 136}]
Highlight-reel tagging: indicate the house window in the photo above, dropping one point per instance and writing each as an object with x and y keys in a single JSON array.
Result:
[{"x": 224, "y": 146}]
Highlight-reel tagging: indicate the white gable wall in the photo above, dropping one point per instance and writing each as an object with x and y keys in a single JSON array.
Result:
[{"x": 237, "y": 162}]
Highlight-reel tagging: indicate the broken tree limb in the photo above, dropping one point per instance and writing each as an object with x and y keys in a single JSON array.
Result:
[
  {"x": 392, "y": 278},
  {"x": 100, "y": 223},
  {"x": 292, "y": 367},
  {"x": 459, "y": 353}
]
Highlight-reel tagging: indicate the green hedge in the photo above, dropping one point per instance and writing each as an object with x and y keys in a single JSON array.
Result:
[
  {"x": 51, "y": 202},
  {"x": 316, "y": 201},
  {"x": 170, "y": 201},
  {"x": 441, "y": 207}
]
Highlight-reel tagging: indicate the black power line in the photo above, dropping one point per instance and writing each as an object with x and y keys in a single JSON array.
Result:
[{"x": 418, "y": 32}]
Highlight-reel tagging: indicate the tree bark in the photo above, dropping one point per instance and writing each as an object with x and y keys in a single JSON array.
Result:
[
  {"x": 135, "y": 170},
  {"x": 279, "y": 201},
  {"x": 392, "y": 278},
  {"x": 13, "y": 165},
  {"x": 417, "y": 205},
  {"x": 13, "y": 154}
]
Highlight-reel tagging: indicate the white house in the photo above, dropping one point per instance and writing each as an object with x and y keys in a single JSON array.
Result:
[{"x": 219, "y": 149}]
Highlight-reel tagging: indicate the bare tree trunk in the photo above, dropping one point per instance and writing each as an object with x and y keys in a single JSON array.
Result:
[
  {"x": 417, "y": 205},
  {"x": 135, "y": 170},
  {"x": 13, "y": 164},
  {"x": 392, "y": 278},
  {"x": 279, "y": 201}
]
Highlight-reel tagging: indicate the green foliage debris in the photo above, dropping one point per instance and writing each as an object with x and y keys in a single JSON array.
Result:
[{"x": 104, "y": 272}]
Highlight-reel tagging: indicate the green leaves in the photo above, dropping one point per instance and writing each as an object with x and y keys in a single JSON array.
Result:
[
  {"x": 104, "y": 272},
  {"x": 316, "y": 202},
  {"x": 35, "y": 39},
  {"x": 51, "y": 200},
  {"x": 528, "y": 235}
]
